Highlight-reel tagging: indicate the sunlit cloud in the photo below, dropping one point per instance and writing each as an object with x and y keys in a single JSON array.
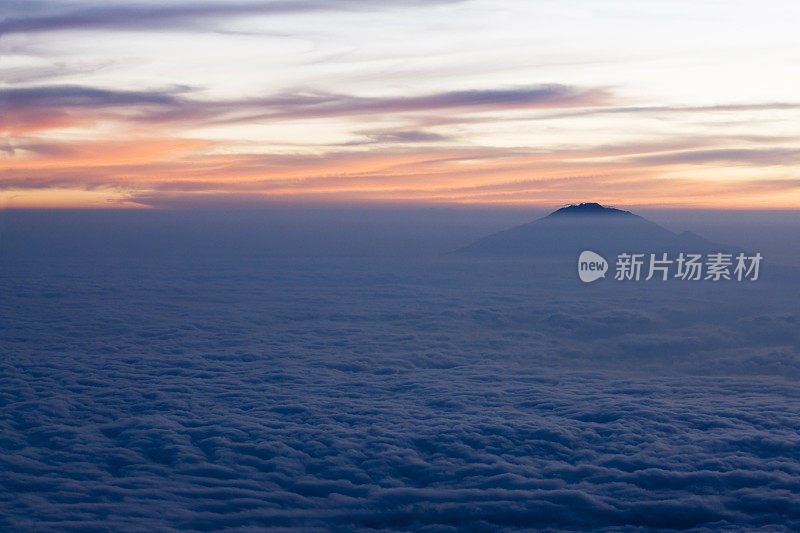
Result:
[
  {"x": 760, "y": 157},
  {"x": 274, "y": 101}
]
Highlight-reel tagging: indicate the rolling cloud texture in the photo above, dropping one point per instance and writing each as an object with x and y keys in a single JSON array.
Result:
[{"x": 219, "y": 384}]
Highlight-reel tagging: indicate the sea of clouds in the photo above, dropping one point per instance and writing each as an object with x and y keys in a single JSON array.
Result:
[{"x": 419, "y": 392}]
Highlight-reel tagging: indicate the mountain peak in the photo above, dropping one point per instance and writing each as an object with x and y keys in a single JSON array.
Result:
[
  {"x": 586, "y": 226},
  {"x": 588, "y": 208}
]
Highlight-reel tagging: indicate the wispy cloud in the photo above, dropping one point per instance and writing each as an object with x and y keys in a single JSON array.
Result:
[
  {"x": 70, "y": 96},
  {"x": 173, "y": 172},
  {"x": 398, "y": 137},
  {"x": 658, "y": 110},
  {"x": 27, "y": 17},
  {"x": 32, "y": 109},
  {"x": 314, "y": 105},
  {"x": 466, "y": 100},
  {"x": 26, "y": 75},
  {"x": 749, "y": 156},
  {"x": 30, "y": 106}
]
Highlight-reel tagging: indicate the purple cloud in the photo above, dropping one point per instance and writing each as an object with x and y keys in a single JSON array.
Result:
[{"x": 26, "y": 17}]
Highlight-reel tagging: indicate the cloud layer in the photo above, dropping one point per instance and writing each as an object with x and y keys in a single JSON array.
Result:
[{"x": 177, "y": 391}]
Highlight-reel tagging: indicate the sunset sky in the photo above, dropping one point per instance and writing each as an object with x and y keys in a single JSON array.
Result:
[{"x": 169, "y": 104}]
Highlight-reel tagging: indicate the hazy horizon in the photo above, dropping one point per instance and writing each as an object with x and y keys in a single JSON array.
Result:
[{"x": 418, "y": 229}]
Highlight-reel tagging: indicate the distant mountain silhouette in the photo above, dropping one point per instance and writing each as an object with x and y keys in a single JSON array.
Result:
[{"x": 589, "y": 226}]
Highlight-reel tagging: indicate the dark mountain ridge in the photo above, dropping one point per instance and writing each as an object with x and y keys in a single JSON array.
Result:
[{"x": 589, "y": 226}]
